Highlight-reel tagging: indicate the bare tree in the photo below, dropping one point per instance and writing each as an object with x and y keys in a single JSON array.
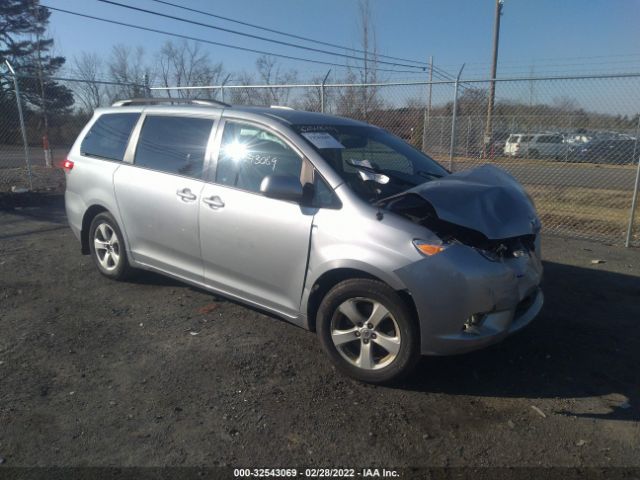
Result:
[
  {"x": 88, "y": 68},
  {"x": 186, "y": 64},
  {"x": 244, "y": 96},
  {"x": 127, "y": 67},
  {"x": 270, "y": 73},
  {"x": 566, "y": 104},
  {"x": 311, "y": 98},
  {"x": 362, "y": 101}
]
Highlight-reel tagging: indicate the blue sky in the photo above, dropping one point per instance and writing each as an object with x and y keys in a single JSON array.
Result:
[{"x": 553, "y": 36}]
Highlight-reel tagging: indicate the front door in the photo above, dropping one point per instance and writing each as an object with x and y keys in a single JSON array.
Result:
[
  {"x": 159, "y": 194},
  {"x": 254, "y": 247}
]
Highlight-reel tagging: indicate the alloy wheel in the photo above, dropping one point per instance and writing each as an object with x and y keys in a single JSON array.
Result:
[
  {"x": 365, "y": 333},
  {"x": 107, "y": 246}
]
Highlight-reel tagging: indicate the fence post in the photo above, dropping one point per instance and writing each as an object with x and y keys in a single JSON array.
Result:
[
  {"x": 147, "y": 87},
  {"x": 453, "y": 119},
  {"x": 468, "y": 134},
  {"x": 224, "y": 82},
  {"x": 324, "y": 81},
  {"x": 22, "y": 127},
  {"x": 634, "y": 200},
  {"x": 427, "y": 110}
]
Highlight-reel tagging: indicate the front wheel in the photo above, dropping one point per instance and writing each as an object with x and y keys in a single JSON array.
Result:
[{"x": 368, "y": 331}]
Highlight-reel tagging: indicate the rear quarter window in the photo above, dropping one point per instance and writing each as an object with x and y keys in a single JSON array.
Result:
[{"x": 109, "y": 136}]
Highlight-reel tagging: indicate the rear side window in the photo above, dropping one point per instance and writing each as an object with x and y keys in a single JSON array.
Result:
[
  {"x": 174, "y": 144},
  {"x": 109, "y": 135}
]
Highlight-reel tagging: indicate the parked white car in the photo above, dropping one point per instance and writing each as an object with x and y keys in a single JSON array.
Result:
[{"x": 535, "y": 145}]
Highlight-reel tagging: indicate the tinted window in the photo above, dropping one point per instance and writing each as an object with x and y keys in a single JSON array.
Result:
[
  {"x": 249, "y": 153},
  {"x": 323, "y": 195},
  {"x": 174, "y": 144},
  {"x": 109, "y": 135}
]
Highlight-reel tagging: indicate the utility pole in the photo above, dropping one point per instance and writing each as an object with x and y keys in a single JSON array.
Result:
[{"x": 488, "y": 133}]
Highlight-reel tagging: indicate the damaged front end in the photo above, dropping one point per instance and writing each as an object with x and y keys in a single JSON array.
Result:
[
  {"x": 484, "y": 208},
  {"x": 488, "y": 270}
]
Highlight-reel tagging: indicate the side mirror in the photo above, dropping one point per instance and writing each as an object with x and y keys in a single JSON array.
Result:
[{"x": 282, "y": 187}]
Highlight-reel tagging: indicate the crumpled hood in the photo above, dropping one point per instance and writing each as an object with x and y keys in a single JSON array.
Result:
[{"x": 486, "y": 199}]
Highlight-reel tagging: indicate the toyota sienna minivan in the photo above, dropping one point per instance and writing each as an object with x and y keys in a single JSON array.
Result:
[{"x": 332, "y": 224}]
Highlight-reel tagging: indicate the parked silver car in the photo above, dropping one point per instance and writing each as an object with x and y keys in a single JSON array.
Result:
[{"x": 333, "y": 224}]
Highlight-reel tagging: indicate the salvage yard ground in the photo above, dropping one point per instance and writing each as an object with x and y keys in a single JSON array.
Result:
[{"x": 154, "y": 372}]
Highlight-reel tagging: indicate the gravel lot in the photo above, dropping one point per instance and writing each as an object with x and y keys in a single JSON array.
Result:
[{"x": 154, "y": 372}]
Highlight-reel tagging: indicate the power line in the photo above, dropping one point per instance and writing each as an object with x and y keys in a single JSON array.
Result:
[
  {"x": 219, "y": 44},
  {"x": 552, "y": 61},
  {"x": 438, "y": 72},
  {"x": 257, "y": 37},
  {"x": 291, "y": 35}
]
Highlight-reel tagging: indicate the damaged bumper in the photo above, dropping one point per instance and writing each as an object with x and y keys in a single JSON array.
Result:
[{"x": 466, "y": 302}]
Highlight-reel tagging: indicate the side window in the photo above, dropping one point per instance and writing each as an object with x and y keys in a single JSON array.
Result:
[
  {"x": 174, "y": 144},
  {"x": 249, "y": 153},
  {"x": 109, "y": 136},
  {"x": 323, "y": 194}
]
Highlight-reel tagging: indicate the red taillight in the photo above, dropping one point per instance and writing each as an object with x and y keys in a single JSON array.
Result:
[{"x": 67, "y": 164}]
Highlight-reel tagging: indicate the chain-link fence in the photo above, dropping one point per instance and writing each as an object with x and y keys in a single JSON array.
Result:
[
  {"x": 573, "y": 142},
  {"x": 34, "y": 140}
]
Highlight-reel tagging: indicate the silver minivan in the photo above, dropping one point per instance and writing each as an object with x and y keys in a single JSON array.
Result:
[
  {"x": 539, "y": 145},
  {"x": 332, "y": 224}
]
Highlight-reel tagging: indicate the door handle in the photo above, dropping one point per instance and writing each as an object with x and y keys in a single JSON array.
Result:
[
  {"x": 214, "y": 202},
  {"x": 186, "y": 195}
]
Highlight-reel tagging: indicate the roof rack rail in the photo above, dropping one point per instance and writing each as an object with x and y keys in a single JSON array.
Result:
[
  {"x": 282, "y": 107},
  {"x": 155, "y": 101}
]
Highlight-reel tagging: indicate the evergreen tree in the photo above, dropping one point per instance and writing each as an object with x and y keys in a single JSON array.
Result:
[{"x": 23, "y": 24}]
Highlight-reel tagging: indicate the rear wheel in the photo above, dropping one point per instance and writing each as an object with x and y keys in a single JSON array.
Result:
[
  {"x": 368, "y": 331},
  {"x": 107, "y": 247}
]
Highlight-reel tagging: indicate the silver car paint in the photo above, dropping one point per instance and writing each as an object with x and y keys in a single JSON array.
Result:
[
  {"x": 269, "y": 253},
  {"x": 160, "y": 211}
]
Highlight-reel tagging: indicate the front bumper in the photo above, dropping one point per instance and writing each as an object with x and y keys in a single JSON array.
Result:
[{"x": 450, "y": 287}]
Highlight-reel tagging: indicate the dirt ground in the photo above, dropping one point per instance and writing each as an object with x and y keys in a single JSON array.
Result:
[{"x": 153, "y": 373}]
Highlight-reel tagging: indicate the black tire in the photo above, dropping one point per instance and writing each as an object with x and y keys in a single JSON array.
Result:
[
  {"x": 400, "y": 318},
  {"x": 115, "y": 271}
]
